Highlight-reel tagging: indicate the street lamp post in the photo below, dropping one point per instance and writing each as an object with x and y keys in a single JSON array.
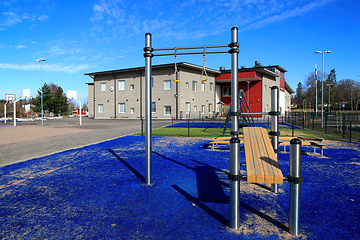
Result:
[
  {"x": 322, "y": 88},
  {"x": 42, "y": 107},
  {"x": 329, "y": 84}
]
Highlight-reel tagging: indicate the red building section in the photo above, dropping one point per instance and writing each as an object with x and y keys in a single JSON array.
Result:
[{"x": 252, "y": 90}]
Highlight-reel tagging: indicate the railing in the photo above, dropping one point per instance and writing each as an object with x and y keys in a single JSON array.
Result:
[{"x": 341, "y": 124}]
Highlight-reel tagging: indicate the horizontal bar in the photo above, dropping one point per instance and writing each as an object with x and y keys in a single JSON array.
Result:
[
  {"x": 259, "y": 113},
  {"x": 183, "y": 48},
  {"x": 188, "y": 53}
]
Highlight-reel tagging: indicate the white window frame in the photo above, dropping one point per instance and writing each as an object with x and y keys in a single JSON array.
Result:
[
  {"x": 195, "y": 108},
  {"x": 122, "y": 110},
  {"x": 152, "y": 108},
  {"x": 187, "y": 107},
  {"x": 194, "y": 86},
  {"x": 167, "y": 106},
  {"x": 132, "y": 110},
  {"x": 132, "y": 87},
  {"x": 167, "y": 85},
  {"x": 100, "y": 108},
  {"x": 103, "y": 87},
  {"x": 226, "y": 93},
  {"x": 203, "y": 87},
  {"x": 121, "y": 85},
  {"x": 187, "y": 85},
  {"x": 211, "y": 87},
  {"x": 202, "y": 108},
  {"x": 211, "y": 109}
]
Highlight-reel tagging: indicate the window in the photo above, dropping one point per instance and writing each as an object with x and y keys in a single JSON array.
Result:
[
  {"x": 121, "y": 84},
  {"x": 226, "y": 91},
  {"x": 100, "y": 108},
  {"x": 202, "y": 108},
  {"x": 103, "y": 87},
  {"x": 187, "y": 84},
  {"x": 210, "y": 107},
  {"x": 203, "y": 86},
  {"x": 152, "y": 82},
  {"x": 153, "y": 107},
  {"x": 211, "y": 87},
  {"x": 265, "y": 88},
  {"x": 132, "y": 110},
  {"x": 121, "y": 107},
  {"x": 187, "y": 107},
  {"x": 195, "y": 108},
  {"x": 132, "y": 87},
  {"x": 194, "y": 86},
  {"x": 167, "y": 84},
  {"x": 167, "y": 110}
]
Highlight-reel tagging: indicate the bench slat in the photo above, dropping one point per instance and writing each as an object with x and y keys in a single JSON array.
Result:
[
  {"x": 261, "y": 163},
  {"x": 250, "y": 165}
]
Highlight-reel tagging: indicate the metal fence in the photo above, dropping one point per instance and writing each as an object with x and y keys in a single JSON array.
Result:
[{"x": 345, "y": 125}]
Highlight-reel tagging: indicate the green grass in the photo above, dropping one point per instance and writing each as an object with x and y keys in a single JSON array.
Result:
[{"x": 217, "y": 132}]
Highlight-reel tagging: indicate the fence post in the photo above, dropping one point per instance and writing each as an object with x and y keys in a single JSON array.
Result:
[
  {"x": 350, "y": 131},
  {"x": 313, "y": 123},
  {"x": 188, "y": 127},
  {"x": 303, "y": 125},
  {"x": 343, "y": 127},
  {"x": 295, "y": 180},
  {"x": 293, "y": 127},
  {"x": 326, "y": 119}
]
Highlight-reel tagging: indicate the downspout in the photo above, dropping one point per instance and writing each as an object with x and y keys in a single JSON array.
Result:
[
  {"x": 114, "y": 94},
  {"x": 93, "y": 78},
  {"x": 142, "y": 130}
]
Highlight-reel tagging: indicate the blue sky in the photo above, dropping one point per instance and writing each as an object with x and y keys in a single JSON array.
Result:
[{"x": 77, "y": 37}]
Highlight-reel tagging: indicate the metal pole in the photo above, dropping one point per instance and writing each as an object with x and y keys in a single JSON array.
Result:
[
  {"x": 15, "y": 113},
  {"x": 148, "y": 151},
  {"x": 295, "y": 180},
  {"x": 5, "y": 111},
  {"x": 275, "y": 126},
  {"x": 322, "y": 93},
  {"x": 234, "y": 175},
  {"x": 42, "y": 105}
]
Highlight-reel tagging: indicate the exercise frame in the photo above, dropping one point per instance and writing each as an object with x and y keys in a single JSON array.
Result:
[{"x": 234, "y": 175}]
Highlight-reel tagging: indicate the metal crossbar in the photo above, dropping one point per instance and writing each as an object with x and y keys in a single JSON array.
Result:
[{"x": 189, "y": 53}]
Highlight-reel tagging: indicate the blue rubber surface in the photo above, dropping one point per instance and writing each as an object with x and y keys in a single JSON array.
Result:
[{"x": 98, "y": 192}]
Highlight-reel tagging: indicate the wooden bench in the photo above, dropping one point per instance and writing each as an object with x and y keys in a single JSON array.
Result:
[
  {"x": 220, "y": 142},
  {"x": 261, "y": 163},
  {"x": 319, "y": 145}
]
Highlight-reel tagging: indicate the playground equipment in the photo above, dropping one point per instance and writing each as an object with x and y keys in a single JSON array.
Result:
[
  {"x": 234, "y": 175},
  {"x": 73, "y": 95},
  {"x": 243, "y": 105},
  {"x": 25, "y": 95},
  {"x": 234, "y": 143}
]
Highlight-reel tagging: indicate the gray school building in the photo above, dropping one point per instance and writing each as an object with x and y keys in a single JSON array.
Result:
[{"x": 120, "y": 94}]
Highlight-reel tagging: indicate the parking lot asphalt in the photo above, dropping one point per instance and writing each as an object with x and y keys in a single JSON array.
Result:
[{"x": 29, "y": 139}]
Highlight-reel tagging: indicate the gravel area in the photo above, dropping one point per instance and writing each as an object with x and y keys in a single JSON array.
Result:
[{"x": 30, "y": 139}]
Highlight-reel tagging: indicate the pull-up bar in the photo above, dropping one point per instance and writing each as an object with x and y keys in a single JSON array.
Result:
[{"x": 234, "y": 175}]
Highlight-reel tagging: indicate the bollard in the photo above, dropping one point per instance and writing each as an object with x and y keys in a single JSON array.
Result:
[
  {"x": 295, "y": 179},
  {"x": 188, "y": 127}
]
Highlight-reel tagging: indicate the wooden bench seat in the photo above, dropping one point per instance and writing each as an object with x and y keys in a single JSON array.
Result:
[
  {"x": 217, "y": 142},
  {"x": 261, "y": 163}
]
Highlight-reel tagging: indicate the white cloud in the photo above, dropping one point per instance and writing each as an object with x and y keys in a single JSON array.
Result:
[
  {"x": 11, "y": 19},
  {"x": 43, "y": 17},
  {"x": 20, "y": 46},
  {"x": 72, "y": 68}
]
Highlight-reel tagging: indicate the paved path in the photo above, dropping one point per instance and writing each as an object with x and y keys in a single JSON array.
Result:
[{"x": 29, "y": 139}]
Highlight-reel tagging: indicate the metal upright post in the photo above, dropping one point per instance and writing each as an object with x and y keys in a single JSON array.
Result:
[
  {"x": 275, "y": 126},
  {"x": 148, "y": 148},
  {"x": 234, "y": 175},
  {"x": 295, "y": 180}
]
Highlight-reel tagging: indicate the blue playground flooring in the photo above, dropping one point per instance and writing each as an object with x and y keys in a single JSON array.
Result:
[
  {"x": 207, "y": 124},
  {"x": 98, "y": 192}
]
